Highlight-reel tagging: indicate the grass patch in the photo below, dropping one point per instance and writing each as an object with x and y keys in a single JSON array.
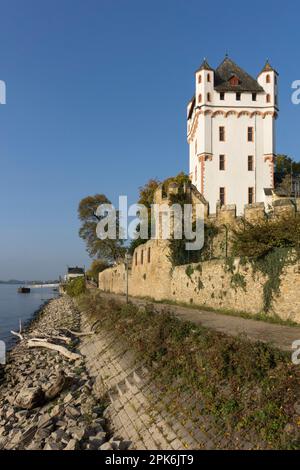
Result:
[
  {"x": 269, "y": 318},
  {"x": 246, "y": 387}
]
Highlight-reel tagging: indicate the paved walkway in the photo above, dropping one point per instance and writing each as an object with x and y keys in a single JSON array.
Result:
[{"x": 280, "y": 336}]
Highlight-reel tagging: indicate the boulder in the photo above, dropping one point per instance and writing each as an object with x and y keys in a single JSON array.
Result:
[{"x": 29, "y": 398}]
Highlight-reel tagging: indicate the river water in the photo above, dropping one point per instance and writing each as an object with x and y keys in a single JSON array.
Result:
[{"x": 15, "y": 306}]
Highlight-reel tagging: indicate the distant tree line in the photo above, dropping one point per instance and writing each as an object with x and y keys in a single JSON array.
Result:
[{"x": 287, "y": 174}]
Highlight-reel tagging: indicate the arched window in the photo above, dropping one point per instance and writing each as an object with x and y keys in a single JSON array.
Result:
[
  {"x": 268, "y": 79},
  {"x": 208, "y": 77},
  {"x": 199, "y": 78},
  {"x": 199, "y": 98},
  {"x": 208, "y": 96},
  {"x": 268, "y": 98}
]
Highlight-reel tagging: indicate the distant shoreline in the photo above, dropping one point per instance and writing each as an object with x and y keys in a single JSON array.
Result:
[{"x": 29, "y": 283}]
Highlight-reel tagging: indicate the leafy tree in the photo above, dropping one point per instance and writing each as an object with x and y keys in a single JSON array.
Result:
[
  {"x": 284, "y": 167},
  {"x": 285, "y": 185},
  {"x": 146, "y": 192},
  {"x": 109, "y": 250},
  {"x": 96, "y": 267}
]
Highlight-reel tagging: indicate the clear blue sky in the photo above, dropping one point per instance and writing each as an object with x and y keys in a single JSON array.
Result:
[{"x": 96, "y": 102}]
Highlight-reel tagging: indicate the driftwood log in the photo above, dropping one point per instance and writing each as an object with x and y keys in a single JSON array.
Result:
[
  {"x": 46, "y": 341},
  {"x": 19, "y": 335},
  {"x": 77, "y": 333},
  {"x": 43, "y": 343}
]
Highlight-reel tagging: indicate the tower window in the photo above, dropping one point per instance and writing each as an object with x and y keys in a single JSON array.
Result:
[
  {"x": 142, "y": 256},
  {"x": 208, "y": 96},
  {"x": 135, "y": 259},
  {"x": 254, "y": 96},
  {"x": 222, "y": 162},
  {"x": 222, "y": 196},
  {"x": 268, "y": 79},
  {"x": 199, "y": 78},
  {"x": 208, "y": 77},
  {"x": 268, "y": 98},
  {"x": 222, "y": 96},
  {"x": 250, "y": 195},
  {"x": 199, "y": 98},
  {"x": 250, "y": 134},
  {"x": 238, "y": 96},
  {"x": 222, "y": 134},
  {"x": 149, "y": 254},
  {"x": 250, "y": 162}
]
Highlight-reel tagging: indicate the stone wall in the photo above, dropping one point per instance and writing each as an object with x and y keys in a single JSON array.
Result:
[
  {"x": 211, "y": 285},
  {"x": 136, "y": 407},
  {"x": 149, "y": 270},
  {"x": 208, "y": 284}
]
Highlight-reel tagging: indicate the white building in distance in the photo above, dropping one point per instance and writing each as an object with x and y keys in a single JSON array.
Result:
[
  {"x": 74, "y": 272},
  {"x": 231, "y": 134}
]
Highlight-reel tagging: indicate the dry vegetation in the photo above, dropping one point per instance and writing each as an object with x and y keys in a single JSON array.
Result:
[{"x": 247, "y": 391}]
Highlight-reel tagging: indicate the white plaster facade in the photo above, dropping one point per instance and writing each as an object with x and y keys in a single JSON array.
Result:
[{"x": 247, "y": 104}]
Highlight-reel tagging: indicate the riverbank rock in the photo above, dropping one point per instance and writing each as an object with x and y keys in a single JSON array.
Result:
[
  {"x": 29, "y": 398},
  {"x": 47, "y": 402}
]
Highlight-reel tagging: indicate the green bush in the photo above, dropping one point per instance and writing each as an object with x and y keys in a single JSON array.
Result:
[
  {"x": 76, "y": 287},
  {"x": 257, "y": 240}
]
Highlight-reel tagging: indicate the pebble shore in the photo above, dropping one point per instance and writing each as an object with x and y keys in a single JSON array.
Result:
[{"x": 72, "y": 421}]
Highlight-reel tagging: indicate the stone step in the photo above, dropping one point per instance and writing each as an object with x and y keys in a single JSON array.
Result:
[
  {"x": 113, "y": 395},
  {"x": 122, "y": 388},
  {"x": 131, "y": 384}
]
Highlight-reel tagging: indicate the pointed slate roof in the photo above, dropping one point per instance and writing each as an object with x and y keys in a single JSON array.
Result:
[
  {"x": 229, "y": 69},
  {"x": 204, "y": 66},
  {"x": 268, "y": 68}
]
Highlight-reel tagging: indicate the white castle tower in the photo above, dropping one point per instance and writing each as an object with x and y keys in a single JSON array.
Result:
[{"x": 231, "y": 134}]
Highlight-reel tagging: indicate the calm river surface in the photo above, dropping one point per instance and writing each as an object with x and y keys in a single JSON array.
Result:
[{"x": 14, "y": 306}]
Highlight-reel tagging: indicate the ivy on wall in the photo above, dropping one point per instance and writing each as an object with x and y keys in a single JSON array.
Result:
[
  {"x": 271, "y": 266},
  {"x": 269, "y": 246}
]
